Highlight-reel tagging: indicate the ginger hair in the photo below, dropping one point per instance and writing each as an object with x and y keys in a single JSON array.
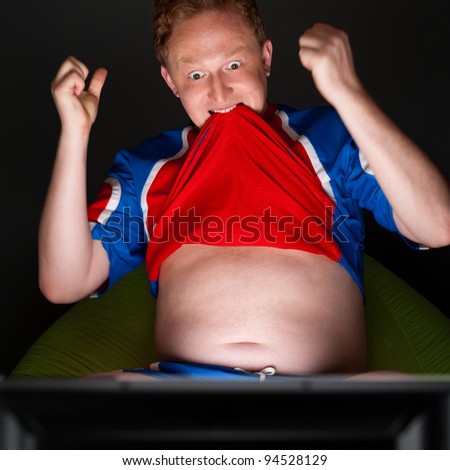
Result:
[{"x": 167, "y": 13}]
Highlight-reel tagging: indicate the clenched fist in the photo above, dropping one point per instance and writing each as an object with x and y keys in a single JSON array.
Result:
[
  {"x": 325, "y": 51},
  {"x": 77, "y": 105}
]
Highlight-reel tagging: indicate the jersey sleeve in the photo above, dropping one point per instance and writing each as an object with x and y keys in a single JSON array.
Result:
[
  {"x": 116, "y": 219},
  {"x": 364, "y": 188}
]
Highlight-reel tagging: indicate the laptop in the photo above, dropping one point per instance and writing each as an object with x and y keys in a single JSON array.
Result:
[{"x": 314, "y": 412}]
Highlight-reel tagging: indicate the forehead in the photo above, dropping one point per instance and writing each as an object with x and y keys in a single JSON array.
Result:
[{"x": 210, "y": 33}]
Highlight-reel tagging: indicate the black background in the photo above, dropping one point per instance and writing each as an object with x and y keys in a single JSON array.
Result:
[{"x": 402, "y": 54}]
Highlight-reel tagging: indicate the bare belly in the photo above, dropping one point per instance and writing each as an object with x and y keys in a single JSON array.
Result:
[{"x": 253, "y": 307}]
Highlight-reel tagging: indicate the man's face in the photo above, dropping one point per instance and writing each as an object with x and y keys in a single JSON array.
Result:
[{"x": 214, "y": 63}]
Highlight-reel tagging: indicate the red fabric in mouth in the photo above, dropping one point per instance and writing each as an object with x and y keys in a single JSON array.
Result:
[{"x": 241, "y": 184}]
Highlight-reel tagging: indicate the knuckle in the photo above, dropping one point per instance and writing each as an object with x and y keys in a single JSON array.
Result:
[
  {"x": 343, "y": 36},
  {"x": 72, "y": 59},
  {"x": 335, "y": 39}
]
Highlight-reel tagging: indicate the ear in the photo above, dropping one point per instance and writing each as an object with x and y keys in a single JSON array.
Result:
[
  {"x": 267, "y": 51},
  {"x": 168, "y": 79}
]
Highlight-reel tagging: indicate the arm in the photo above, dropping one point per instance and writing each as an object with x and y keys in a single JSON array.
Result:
[
  {"x": 416, "y": 189},
  {"x": 71, "y": 264}
]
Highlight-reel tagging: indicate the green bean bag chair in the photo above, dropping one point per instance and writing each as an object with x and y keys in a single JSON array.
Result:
[{"x": 405, "y": 332}]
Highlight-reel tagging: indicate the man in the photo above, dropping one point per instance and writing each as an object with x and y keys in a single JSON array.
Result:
[{"x": 237, "y": 301}]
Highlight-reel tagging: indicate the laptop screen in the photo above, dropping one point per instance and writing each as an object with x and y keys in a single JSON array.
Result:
[{"x": 310, "y": 412}]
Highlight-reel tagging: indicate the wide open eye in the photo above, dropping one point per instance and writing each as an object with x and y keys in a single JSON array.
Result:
[
  {"x": 234, "y": 65},
  {"x": 196, "y": 75}
]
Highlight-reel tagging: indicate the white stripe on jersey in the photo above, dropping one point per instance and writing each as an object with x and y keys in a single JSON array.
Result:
[
  {"x": 365, "y": 164},
  {"x": 155, "y": 170},
  {"x": 310, "y": 151},
  {"x": 113, "y": 202}
]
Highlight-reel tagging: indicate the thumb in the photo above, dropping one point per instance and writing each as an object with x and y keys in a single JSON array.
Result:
[
  {"x": 306, "y": 56},
  {"x": 97, "y": 82}
]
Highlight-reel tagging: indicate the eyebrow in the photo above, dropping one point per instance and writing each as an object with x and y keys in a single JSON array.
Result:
[{"x": 228, "y": 54}]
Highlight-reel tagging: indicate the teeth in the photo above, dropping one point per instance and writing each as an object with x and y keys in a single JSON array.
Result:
[{"x": 224, "y": 111}]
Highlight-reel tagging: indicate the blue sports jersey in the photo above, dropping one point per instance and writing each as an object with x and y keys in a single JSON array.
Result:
[{"x": 130, "y": 201}]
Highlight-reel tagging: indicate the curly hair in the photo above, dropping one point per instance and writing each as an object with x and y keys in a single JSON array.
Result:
[{"x": 167, "y": 13}]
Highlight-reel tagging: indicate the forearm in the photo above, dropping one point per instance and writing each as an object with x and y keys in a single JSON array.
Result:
[
  {"x": 415, "y": 187},
  {"x": 66, "y": 248}
]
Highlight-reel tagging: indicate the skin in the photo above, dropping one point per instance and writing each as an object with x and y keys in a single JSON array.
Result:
[
  {"x": 220, "y": 72},
  {"x": 224, "y": 305}
]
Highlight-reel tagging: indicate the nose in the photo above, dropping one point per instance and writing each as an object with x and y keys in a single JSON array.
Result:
[{"x": 220, "y": 89}]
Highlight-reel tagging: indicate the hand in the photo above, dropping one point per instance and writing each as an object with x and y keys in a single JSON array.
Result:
[
  {"x": 325, "y": 51},
  {"x": 76, "y": 106}
]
